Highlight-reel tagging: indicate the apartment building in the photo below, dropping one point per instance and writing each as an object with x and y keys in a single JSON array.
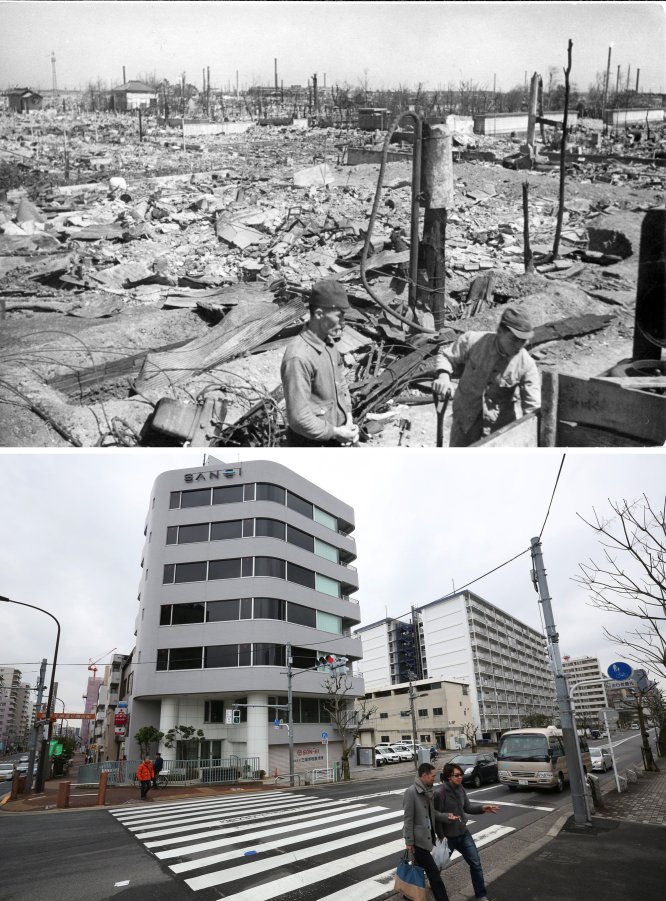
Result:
[
  {"x": 239, "y": 563},
  {"x": 16, "y": 709},
  {"x": 464, "y": 638},
  {"x": 587, "y": 688},
  {"x": 108, "y": 743}
]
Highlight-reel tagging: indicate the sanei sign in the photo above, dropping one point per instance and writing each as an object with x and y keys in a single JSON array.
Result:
[{"x": 215, "y": 475}]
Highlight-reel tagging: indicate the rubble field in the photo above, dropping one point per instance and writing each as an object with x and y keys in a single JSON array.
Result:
[{"x": 138, "y": 274}]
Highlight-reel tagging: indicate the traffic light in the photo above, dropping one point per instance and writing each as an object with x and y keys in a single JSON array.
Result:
[
  {"x": 326, "y": 660},
  {"x": 237, "y": 718}
]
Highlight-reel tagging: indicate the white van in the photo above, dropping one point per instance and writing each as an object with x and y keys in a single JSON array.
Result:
[{"x": 535, "y": 758}]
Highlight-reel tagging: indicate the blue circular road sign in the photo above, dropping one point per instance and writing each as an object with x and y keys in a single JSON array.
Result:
[
  {"x": 324, "y": 735},
  {"x": 619, "y": 671}
]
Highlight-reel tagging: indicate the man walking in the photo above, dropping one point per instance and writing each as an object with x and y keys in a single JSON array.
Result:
[
  {"x": 145, "y": 774},
  {"x": 158, "y": 765},
  {"x": 419, "y": 828},
  {"x": 499, "y": 381},
  {"x": 452, "y": 799},
  {"x": 318, "y": 404}
]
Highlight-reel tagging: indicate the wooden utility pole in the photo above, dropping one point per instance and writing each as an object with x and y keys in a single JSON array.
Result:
[
  {"x": 527, "y": 251},
  {"x": 560, "y": 210},
  {"x": 437, "y": 194},
  {"x": 532, "y": 111},
  {"x": 605, "y": 99}
]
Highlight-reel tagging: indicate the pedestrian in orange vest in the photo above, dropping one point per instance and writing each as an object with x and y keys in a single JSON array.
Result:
[{"x": 145, "y": 774}]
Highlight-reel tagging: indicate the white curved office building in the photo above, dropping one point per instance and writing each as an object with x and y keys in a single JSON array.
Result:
[{"x": 240, "y": 561}]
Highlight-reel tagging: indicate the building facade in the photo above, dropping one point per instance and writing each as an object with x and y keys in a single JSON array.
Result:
[
  {"x": 587, "y": 688},
  {"x": 239, "y": 563},
  {"x": 16, "y": 710},
  {"x": 441, "y": 710},
  {"x": 466, "y": 639}
]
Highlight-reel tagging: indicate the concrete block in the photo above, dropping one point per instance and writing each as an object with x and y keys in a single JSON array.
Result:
[
  {"x": 631, "y": 776},
  {"x": 623, "y": 783}
]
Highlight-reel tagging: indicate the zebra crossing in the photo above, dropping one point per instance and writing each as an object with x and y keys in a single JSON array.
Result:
[{"x": 278, "y": 845}]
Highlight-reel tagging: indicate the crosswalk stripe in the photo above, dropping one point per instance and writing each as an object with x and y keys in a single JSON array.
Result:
[
  {"x": 234, "y": 834},
  {"x": 238, "y": 853},
  {"x": 295, "y": 813},
  {"x": 262, "y": 866},
  {"x": 123, "y": 813}
]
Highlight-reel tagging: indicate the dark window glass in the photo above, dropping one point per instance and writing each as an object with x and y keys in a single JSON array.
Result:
[
  {"x": 324, "y": 712},
  {"x": 217, "y": 655},
  {"x": 278, "y": 713},
  {"x": 162, "y": 659},
  {"x": 309, "y": 710},
  {"x": 188, "y": 534},
  {"x": 221, "y": 531},
  {"x": 268, "y": 492},
  {"x": 187, "y": 613},
  {"x": 300, "y": 575},
  {"x": 191, "y": 572},
  {"x": 248, "y": 528},
  {"x": 246, "y": 608},
  {"x": 232, "y": 494},
  {"x": 198, "y": 498},
  {"x": 224, "y": 569},
  {"x": 248, "y": 493},
  {"x": 304, "y": 658},
  {"x": 243, "y": 710},
  {"x": 269, "y": 566},
  {"x": 247, "y": 567},
  {"x": 271, "y": 528},
  {"x": 269, "y": 655},
  {"x": 169, "y": 572},
  {"x": 165, "y": 615},
  {"x": 218, "y": 611},
  {"x": 185, "y": 658},
  {"x": 244, "y": 657},
  {"x": 172, "y": 535},
  {"x": 302, "y": 539},
  {"x": 269, "y": 608},
  {"x": 214, "y": 712},
  {"x": 174, "y": 500},
  {"x": 383, "y": 716},
  {"x": 294, "y": 502},
  {"x": 304, "y": 616}
]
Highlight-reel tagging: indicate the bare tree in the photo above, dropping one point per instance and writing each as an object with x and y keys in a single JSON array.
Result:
[
  {"x": 469, "y": 731},
  {"x": 631, "y": 579},
  {"x": 347, "y": 718}
]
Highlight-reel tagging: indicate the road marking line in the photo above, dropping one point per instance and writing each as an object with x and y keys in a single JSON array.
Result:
[
  {"x": 130, "y": 816},
  {"x": 190, "y": 816},
  {"x": 247, "y": 797},
  {"x": 189, "y": 865}
]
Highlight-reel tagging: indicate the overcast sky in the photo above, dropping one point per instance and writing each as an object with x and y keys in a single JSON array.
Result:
[
  {"x": 388, "y": 43},
  {"x": 72, "y": 534}
]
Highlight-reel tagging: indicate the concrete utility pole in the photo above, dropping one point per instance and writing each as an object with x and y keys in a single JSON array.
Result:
[
  {"x": 290, "y": 714},
  {"x": 34, "y": 732},
  {"x": 124, "y": 78},
  {"x": 412, "y": 698},
  {"x": 603, "y": 105},
  {"x": 569, "y": 734},
  {"x": 276, "y": 74}
]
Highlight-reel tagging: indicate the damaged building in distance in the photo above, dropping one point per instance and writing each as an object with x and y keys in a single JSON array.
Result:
[
  {"x": 463, "y": 638},
  {"x": 240, "y": 561}
]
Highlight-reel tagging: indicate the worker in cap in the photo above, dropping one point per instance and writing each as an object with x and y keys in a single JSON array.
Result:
[
  {"x": 318, "y": 404},
  {"x": 498, "y": 380}
]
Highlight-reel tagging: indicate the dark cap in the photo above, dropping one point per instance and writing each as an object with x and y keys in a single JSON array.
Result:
[
  {"x": 517, "y": 321},
  {"x": 328, "y": 295}
]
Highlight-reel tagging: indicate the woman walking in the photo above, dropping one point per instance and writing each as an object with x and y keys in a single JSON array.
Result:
[{"x": 145, "y": 774}]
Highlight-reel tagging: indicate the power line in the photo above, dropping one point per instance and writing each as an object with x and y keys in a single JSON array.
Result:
[{"x": 552, "y": 495}]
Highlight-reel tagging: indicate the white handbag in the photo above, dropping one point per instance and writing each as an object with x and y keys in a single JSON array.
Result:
[{"x": 441, "y": 853}]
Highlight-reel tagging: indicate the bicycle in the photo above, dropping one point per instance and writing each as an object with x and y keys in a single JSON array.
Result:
[{"x": 162, "y": 780}]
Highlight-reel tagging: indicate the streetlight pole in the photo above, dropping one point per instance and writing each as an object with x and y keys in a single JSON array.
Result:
[{"x": 39, "y": 783}]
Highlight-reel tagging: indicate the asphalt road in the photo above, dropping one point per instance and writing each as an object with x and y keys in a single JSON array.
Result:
[{"x": 333, "y": 843}]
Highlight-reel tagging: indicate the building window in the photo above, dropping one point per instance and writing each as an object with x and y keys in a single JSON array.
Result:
[
  {"x": 213, "y": 711},
  {"x": 269, "y": 608},
  {"x": 232, "y": 494},
  {"x": 165, "y": 615},
  {"x": 309, "y": 710},
  {"x": 222, "y": 611},
  {"x": 221, "y": 655},
  {"x": 383, "y": 716},
  {"x": 300, "y": 575},
  {"x": 269, "y": 655},
  {"x": 304, "y": 616},
  {"x": 190, "y": 534},
  {"x": 162, "y": 659},
  {"x": 322, "y": 549},
  {"x": 327, "y": 622},
  {"x": 185, "y": 658},
  {"x": 423, "y": 712},
  {"x": 327, "y": 586},
  {"x": 270, "y": 567},
  {"x": 223, "y": 531},
  {"x": 224, "y": 569},
  {"x": 200, "y": 497},
  {"x": 405, "y": 713},
  {"x": 325, "y": 519},
  {"x": 300, "y": 539},
  {"x": 465, "y": 689},
  {"x": 248, "y": 492},
  {"x": 183, "y": 614},
  {"x": 294, "y": 502},
  {"x": 174, "y": 500},
  {"x": 437, "y": 711},
  {"x": 270, "y": 528},
  {"x": 268, "y": 492},
  {"x": 172, "y": 535}
]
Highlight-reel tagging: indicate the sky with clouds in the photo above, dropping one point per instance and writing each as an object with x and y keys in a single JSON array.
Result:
[
  {"x": 71, "y": 538},
  {"x": 387, "y": 43}
]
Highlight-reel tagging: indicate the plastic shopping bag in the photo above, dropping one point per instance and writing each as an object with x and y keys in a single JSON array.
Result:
[{"x": 441, "y": 853}]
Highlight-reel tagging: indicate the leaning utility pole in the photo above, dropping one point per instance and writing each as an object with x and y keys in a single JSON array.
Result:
[{"x": 569, "y": 734}]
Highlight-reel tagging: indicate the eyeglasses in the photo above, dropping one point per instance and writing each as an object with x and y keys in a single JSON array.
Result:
[{"x": 456, "y": 775}]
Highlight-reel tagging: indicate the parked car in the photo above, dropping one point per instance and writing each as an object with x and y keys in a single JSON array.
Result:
[
  {"x": 6, "y": 771},
  {"x": 22, "y": 765},
  {"x": 403, "y": 752},
  {"x": 477, "y": 768},
  {"x": 601, "y": 759},
  {"x": 385, "y": 755},
  {"x": 634, "y": 726}
]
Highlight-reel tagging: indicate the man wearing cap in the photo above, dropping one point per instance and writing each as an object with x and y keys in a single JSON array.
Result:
[
  {"x": 317, "y": 398},
  {"x": 499, "y": 381}
]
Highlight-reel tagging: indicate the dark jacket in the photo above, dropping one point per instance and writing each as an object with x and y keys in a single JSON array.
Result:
[
  {"x": 450, "y": 799},
  {"x": 158, "y": 763},
  {"x": 420, "y": 816}
]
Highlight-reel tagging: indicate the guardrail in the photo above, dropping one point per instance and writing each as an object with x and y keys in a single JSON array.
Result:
[
  {"x": 322, "y": 776},
  {"x": 178, "y": 772}
]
